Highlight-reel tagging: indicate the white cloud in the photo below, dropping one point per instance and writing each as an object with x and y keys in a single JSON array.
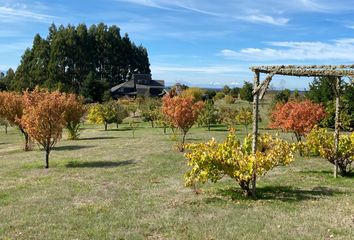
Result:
[
  {"x": 20, "y": 13},
  {"x": 337, "y": 50},
  {"x": 224, "y": 12},
  {"x": 265, "y": 19}
]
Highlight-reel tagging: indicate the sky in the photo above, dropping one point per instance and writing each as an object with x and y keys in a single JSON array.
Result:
[{"x": 204, "y": 43}]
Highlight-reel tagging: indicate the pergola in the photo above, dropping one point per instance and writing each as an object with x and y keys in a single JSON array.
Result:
[{"x": 259, "y": 89}]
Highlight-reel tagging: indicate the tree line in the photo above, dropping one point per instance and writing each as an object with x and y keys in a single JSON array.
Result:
[{"x": 78, "y": 59}]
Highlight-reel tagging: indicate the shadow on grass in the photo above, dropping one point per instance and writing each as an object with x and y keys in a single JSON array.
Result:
[
  {"x": 326, "y": 173},
  {"x": 322, "y": 172},
  {"x": 218, "y": 130},
  {"x": 71, "y": 147},
  {"x": 97, "y": 138},
  {"x": 118, "y": 129},
  {"x": 282, "y": 193},
  {"x": 99, "y": 164}
]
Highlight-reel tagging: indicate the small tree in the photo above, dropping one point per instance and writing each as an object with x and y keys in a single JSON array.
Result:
[
  {"x": 219, "y": 95},
  {"x": 244, "y": 117},
  {"x": 103, "y": 113},
  {"x": 11, "y": 109},
  {"x": 194, "y": 92},
  {"x": 297, "y": 117},
  {"x": 209, "y": 114},
  {"x": 182, "y": 113},
  {"x": 44, "y": 118},
  {"x": 74, "y": 111},
  {"x": 246, "y": 92},
  {"x": 226, "y": 90},
  {"x": 212, "y": 161},
  {"x": 121, "y": 113},
  {"x": 282, "y": 96},
  {"x": 321, "y": 142},
  {"x": 4, "y": 122},
  {"x": 229, "y": 99},
  {"x": 150, "y": 109},
  {"x": 235, "y": 92},
  {"x": 227, "y": 115}
]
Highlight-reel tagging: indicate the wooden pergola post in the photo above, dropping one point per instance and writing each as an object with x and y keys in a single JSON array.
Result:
[
  {"x": 337, "y": 123},
  {"x": 255, "y": 127}
]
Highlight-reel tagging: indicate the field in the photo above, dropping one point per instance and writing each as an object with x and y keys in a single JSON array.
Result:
[{"x": 109, "y": 185}]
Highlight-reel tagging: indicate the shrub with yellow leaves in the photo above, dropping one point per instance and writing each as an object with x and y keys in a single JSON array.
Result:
[
  {"x": 212, "y": 160},
  {"x": 320, "y": 142}
]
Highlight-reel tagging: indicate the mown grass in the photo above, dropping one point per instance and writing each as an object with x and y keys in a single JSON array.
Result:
[{"x": 109, "y": 185}]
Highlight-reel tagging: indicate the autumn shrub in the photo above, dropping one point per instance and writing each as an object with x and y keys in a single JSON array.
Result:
[
  {"x": 229, "y": 99},
  {"x": 219, "y": 96},
  {"x": 320, "y": 141},
  {"x": 182, "y": 113},
  {"x": 74, "y": 111},
  {"x": 194, "y": 92},
  {"x": 150, "y": 109},
  {"x": 11, "y": 109},
  {"x": 297, "y": 117},
  {"x": 106, "y": 113},
  {"x": 212, "y": 160},
  {"x": 209, "y": 115},
  {"x": 227, "y": 115},
  {"x": 244, "y": 117},
  {"x": 44, "y": 118}
]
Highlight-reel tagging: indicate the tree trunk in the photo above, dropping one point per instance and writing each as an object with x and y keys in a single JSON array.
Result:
[
  {"x": 245, "y": 186},
  {"x": 298, "y": 139},
  {"x": 28, "y": 146},
  {"x": 5, "y": 129},
  {"x": 255, "y": 130},
  {"x": 164, "y": 130},
  {"x": 117, "y": 124},
  {"x": 336, "y": 125},
  {"x": 209, "y": 125},
  {"x": 105, "y": 126},
  {"x": 181, "y": 148},
  {"x": 47, "y": 151}
]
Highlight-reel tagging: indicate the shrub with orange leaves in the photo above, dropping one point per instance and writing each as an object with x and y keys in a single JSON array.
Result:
[
  {"x": 44, "y": 118},
  {"x": 297, "y": 117},
  {"x": 182, "y": 113},
  {"x": 11, "y": 109},
  {"x": 74, "y": 111}
]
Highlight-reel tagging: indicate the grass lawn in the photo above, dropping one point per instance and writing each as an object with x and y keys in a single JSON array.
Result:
[{"x": 109, "y": 185}]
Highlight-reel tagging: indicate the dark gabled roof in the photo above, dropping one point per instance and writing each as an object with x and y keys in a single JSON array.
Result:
[
  {"x": 153, "y": 84},
  {"x": 157, "y": 84},
  {"x": 128, "y": 84}
]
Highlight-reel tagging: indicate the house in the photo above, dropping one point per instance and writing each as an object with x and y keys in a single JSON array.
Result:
[{"x": 139, "y": 85}]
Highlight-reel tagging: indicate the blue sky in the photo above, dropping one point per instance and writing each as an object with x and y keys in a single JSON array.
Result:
[{"x": 199, "y": 42}]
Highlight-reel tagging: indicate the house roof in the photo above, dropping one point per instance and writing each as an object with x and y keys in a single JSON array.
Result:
[
  {"x": 153, "y": 84},
  {"x": 128, "y": 84}
]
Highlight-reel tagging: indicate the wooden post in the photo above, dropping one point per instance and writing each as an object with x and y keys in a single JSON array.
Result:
[
  {"x": 336, "y": 125},
  {"x": 255, "y": 128}
]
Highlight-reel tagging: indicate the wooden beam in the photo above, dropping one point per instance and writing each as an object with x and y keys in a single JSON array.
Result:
[
  {"x": 255, "y": 129},
  {"x": 336, "y": 124},
  {"x": 309, "y": 73}
]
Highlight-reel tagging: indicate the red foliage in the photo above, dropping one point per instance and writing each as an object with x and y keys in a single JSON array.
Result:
[
  {"x": 11, "y": 109},
  {"x": 297, "y": 117},
  {"x": 44, "y": 117},
  {"x": 181, "y": 112}
]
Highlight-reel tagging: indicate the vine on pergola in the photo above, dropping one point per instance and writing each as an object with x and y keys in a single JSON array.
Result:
[{"x": 259, "y": 89}]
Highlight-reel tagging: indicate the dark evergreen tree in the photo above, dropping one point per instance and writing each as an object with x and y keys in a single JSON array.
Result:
[
  {"x": 68, "y": 54},
  {"x": 246, "y": 92}
]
